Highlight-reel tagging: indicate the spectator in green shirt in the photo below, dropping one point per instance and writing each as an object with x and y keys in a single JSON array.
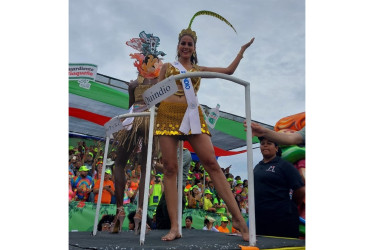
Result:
[
  {"x": 156, "y": 191},
  {"x": 220, "y": 205}
]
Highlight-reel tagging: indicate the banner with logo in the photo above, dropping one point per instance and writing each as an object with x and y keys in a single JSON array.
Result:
[{"x": 82, "y": 71}]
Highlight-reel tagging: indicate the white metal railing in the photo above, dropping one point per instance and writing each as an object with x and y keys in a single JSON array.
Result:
[
  {"x": 151, "y": 113},
  {"x": 251, "y": 205}
]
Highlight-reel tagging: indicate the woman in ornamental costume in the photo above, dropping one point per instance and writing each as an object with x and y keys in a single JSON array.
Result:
[
  {"x": 179, "y": 117},
  {"x": 134, "y": 136}
]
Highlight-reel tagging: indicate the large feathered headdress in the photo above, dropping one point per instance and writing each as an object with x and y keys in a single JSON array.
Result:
[
  {"x": 192, "y": 33},
  {"x": 147, "y": 61}
]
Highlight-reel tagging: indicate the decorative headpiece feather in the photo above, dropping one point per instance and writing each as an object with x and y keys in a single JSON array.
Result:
[
  {"x": 147, "y": 45},
  {"x": 192, "y": 33}
]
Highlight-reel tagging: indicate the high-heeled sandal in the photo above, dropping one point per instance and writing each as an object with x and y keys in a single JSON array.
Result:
[
  {"x": 116, "y": 225},
  {"x": 138, "y": 220}
]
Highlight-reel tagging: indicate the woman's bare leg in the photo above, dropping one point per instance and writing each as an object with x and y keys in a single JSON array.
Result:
[
  {"x": 143, "y": 166},
  {"x": 119, "y": 185},
  {"x": 204, "y": 149},
  {"x": 168, "y": 146},
  {"x": 123, "y": 154}
]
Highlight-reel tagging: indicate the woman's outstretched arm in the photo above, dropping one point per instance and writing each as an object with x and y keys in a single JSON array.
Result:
[{"x": 232, "y": 67}]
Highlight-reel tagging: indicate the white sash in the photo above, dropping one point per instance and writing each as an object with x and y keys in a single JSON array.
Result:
[
  {"x": 135, "y": 108},
  {"x": 191, "y": 119},
  {"x": 127, "y": 123}
]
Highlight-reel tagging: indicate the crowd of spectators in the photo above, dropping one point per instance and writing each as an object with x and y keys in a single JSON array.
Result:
[{"x": 85, "y": 168}]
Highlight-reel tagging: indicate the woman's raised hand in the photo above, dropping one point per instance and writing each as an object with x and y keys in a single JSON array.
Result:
[{"x": 245, "y": 46}]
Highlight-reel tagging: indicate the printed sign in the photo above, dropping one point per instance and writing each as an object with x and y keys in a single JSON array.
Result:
[
  {"x": 82, "y": 71},
  {"x": 213, "y": 116},
  {"x": 114, "y": 125},
  {"x": 159, "y": 92}
]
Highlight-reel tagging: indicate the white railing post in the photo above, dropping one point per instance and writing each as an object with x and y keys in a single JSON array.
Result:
[
  {"x": 147, "y": 176},
  {"x": 251, "y": 194},
  {"x": 101, "y": 186},
  {"x": 180, "y": 180}
]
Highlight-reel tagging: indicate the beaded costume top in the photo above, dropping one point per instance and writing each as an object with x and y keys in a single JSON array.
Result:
[{"x": 171, "y": 70}]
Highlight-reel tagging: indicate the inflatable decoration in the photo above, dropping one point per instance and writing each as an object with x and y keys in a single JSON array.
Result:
[
  {"x": 293, "y": 122},
  {"x": 294, "y": 154}
]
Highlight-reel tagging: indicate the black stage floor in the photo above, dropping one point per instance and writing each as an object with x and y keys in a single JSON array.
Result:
[{"x": 192, "y": 239}]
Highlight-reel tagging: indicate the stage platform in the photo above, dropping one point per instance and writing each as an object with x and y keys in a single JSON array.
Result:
[{"x": 192, "y": 239}]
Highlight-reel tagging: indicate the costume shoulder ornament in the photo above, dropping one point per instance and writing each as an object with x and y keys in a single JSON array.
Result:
[
  {"x": 147, "y": 61},
  {"x": 192, "y": 33}
]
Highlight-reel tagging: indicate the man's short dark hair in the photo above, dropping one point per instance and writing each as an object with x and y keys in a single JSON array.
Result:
[
  {"x": 279, "y": 152},
  {"x": 189, "y": 217},
  {"x": 261, "y": 138},
  {"x": 107, "y": 218}
]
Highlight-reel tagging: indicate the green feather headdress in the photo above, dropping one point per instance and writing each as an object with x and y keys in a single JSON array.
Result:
[{"x": 192, "y": 33}]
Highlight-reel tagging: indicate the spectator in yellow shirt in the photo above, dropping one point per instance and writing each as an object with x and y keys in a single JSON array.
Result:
[{"x": 208, "y": 205}]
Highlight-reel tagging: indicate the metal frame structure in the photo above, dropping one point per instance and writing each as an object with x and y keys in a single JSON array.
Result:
[{"x": 151, "y": 113}]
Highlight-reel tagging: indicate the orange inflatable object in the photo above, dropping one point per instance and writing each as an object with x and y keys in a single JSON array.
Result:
[
  {"x": 248, "y": 248},
  {"x": 293, "y": 122}
]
